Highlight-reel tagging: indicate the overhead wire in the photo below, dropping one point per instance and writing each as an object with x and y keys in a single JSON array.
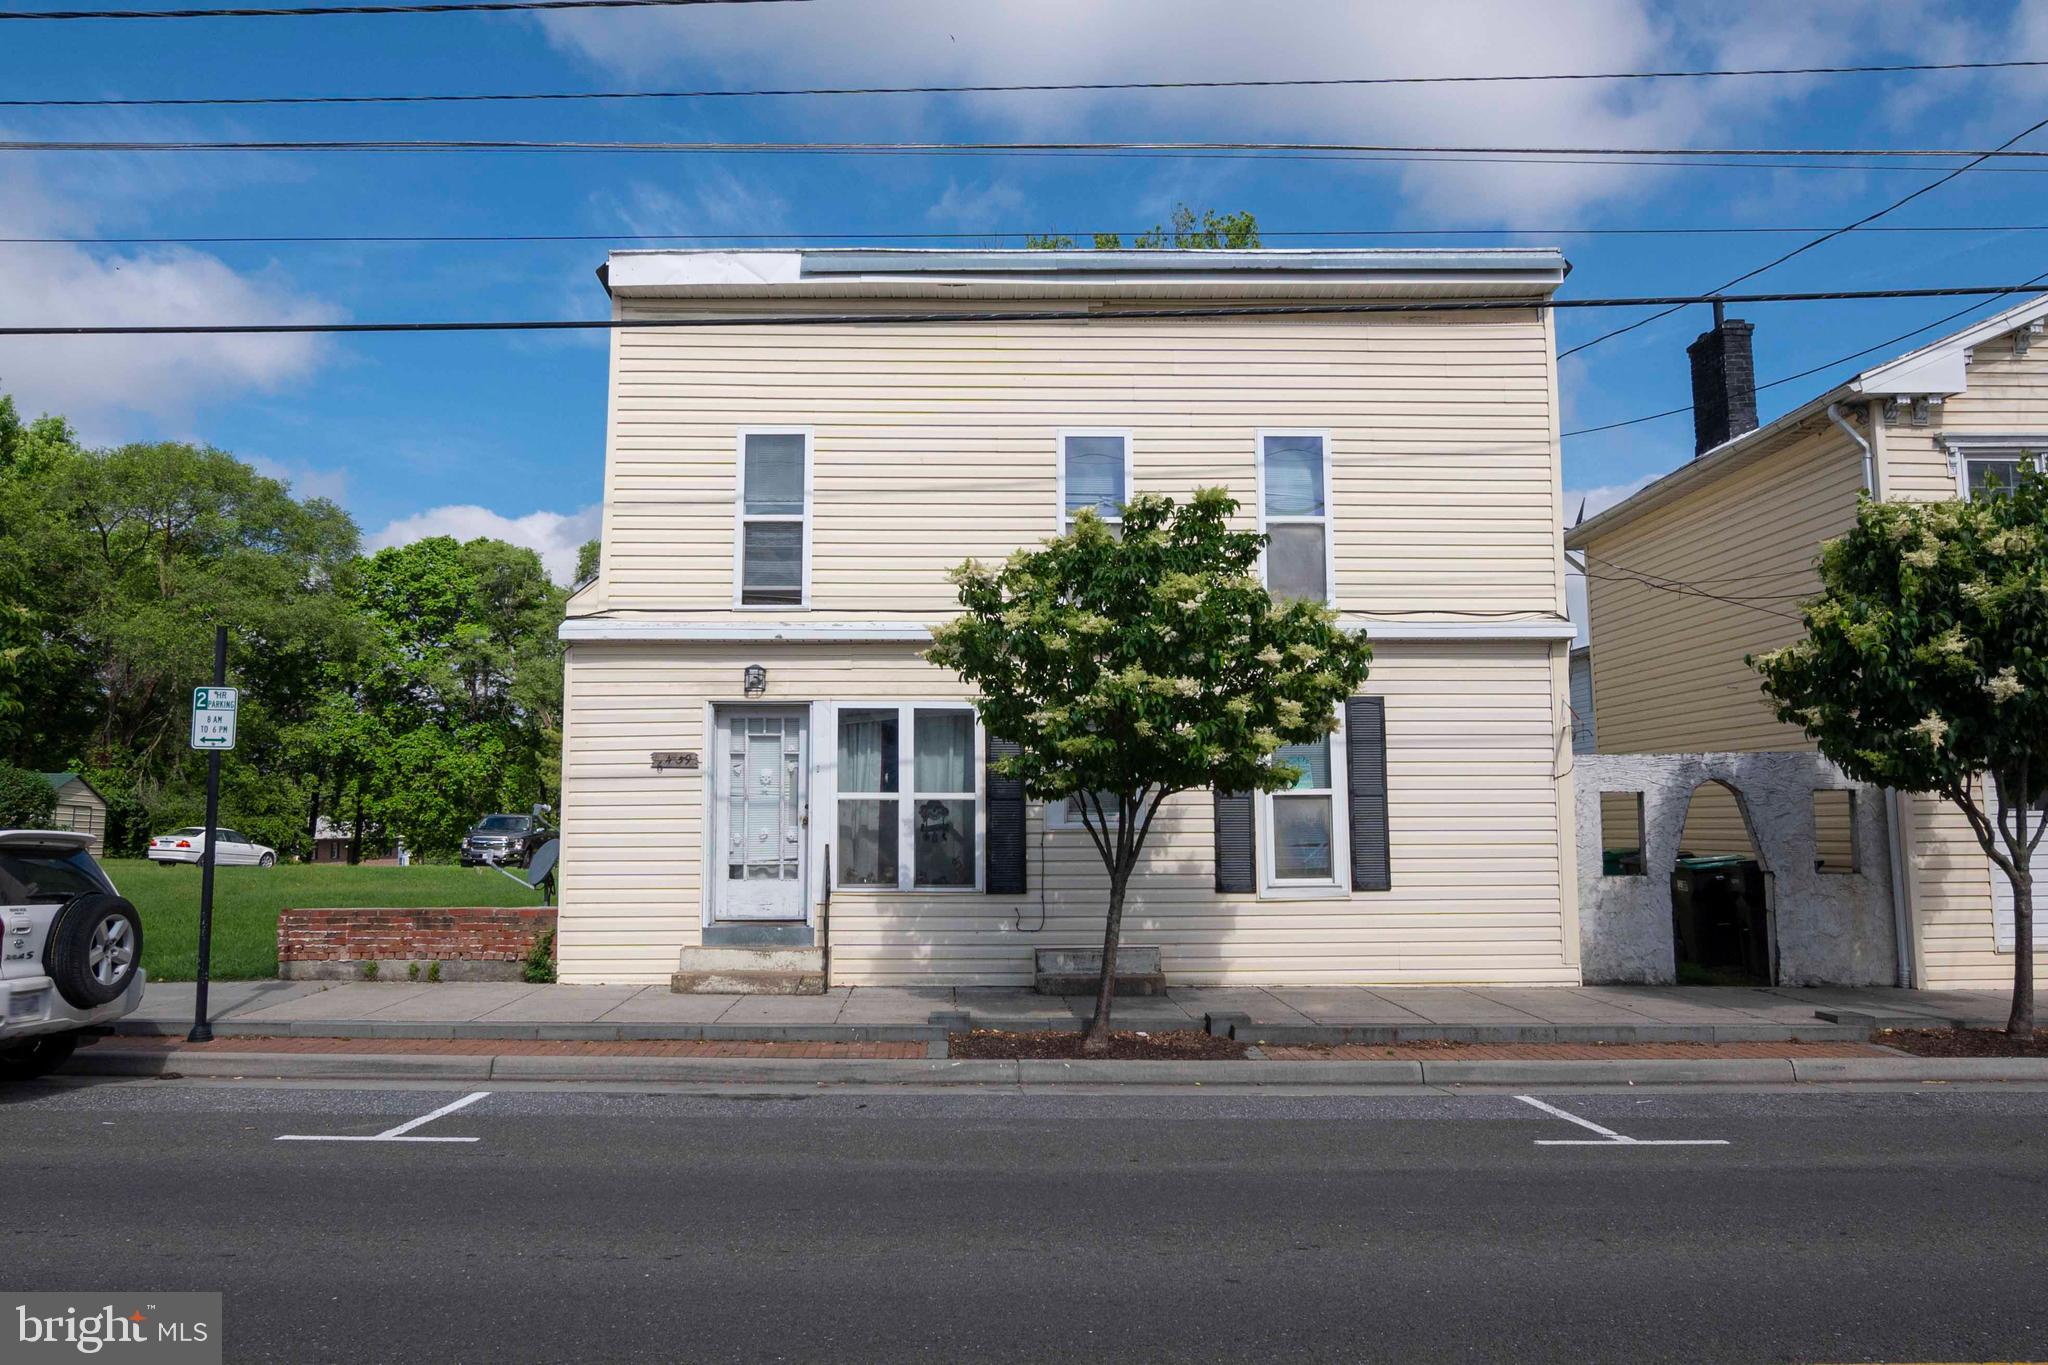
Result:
[
  {"x": 947, "y": 317},
  {"x": 330, "y": 11},
  {"x": 1802, "y": 248},
  {"x": 1037, "y": 87}
]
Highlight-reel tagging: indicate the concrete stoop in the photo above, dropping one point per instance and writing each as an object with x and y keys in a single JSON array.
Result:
[{"x": 749, "y": 971}]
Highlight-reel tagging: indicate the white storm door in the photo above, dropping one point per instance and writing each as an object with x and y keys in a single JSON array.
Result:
[{"x": 760, "y": 808}]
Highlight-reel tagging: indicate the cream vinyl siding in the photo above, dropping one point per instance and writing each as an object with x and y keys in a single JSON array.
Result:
[
  {"x": 1475, "y": 745},
  {"x": 1668, "y": 670},
  {"x": 1951, "y": 877},
  {"x": 935, "y": 443}
]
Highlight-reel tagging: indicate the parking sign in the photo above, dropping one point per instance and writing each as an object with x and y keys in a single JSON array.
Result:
[{"x": 213, "y": 717}]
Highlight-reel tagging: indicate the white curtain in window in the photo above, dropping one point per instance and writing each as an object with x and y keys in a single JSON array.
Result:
[
  {"x": 867, "y": 751},
  {"x": 945, "y": 751}
]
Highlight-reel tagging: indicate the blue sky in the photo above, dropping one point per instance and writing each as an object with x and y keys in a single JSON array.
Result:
[{"x": 503, "y": 435}]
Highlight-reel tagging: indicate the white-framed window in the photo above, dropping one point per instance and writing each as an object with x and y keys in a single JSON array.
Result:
[
  {"x": 1294, "y": 511},
  {"x": 1094, "y": 472},
  {"x": 908, "y": 797},
  {"x": 1065, "y": 813},
  {"x": 772, "y": 523},
  {"x": 1992, "y": 464},
  {"x": 1304, "y": 840}
]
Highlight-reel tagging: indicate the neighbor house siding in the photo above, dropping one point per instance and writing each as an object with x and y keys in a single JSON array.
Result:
[
  {"x": 1477, "y": 776},
  {"x": 931, "y": 444},
  {"x": 1950, "y": 875}
]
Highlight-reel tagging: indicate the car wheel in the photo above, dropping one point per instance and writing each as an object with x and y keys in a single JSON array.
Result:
[
  {"x": 37, "y": 1056},
  {"x": 95, "y": 949},
  {"x": 267, "y": 860}
]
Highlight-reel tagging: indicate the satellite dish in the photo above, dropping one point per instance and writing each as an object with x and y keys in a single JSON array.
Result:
[{"x": 543, "y": 862}]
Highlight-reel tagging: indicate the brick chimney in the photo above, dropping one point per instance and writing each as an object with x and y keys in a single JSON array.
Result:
[{"x": 1723, "y": 383}]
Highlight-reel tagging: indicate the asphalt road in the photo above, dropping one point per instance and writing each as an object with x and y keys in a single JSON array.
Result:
[{"x": 625, "y": 1226}]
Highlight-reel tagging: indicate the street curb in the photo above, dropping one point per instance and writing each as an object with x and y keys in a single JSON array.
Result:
[
  {"x": 280, "y": 1065},
  {"x": 1921, "y": 1069},
  {"x": 1383, "y": 1035},
  {"x": 1616, "y": 1071}
]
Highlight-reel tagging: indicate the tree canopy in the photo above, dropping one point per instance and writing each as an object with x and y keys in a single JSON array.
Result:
[
  {"x": 406, "y": 692},
  {"x": 1134, "y": 663},
  {"x": 1206, "y": 231},
  {"x": 1925, "y": 666}
]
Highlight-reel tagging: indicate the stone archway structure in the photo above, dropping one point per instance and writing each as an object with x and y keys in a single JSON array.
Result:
[{"x": 1831, "y": 928}]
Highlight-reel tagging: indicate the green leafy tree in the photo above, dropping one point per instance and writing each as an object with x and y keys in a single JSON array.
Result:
[
  {"x": 1130, "y": 667},
  {"x": 27, "y": 800},
  {"x": 1206, "y": 231},
  {"x": 1925, "y": 666},
  {"x": 586, "y": 560}
]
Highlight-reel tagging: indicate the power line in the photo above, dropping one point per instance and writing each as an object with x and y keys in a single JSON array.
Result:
[
  {"x": 1804, "y": 247},
  {"x": 1816, "y": 369},
  {"x": 1034, "y": 88},
  {"x": 1006, "y": 316},
  {"x": 924, "y": 148},
  {"x": 1077, "y": 233},
  {"x": 328, "y": 11}
]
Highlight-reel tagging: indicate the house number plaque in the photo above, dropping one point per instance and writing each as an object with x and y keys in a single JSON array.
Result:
[{"x": 686, "y": 759}]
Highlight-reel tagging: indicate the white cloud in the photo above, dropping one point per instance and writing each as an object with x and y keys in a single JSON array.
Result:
[
  {"x": 918, "y": 42},
  {"x": 552, "y": 535},
  {"x": 103, "y": 383},
  {"x": 306, "y": 481},
  {"x": 994, "y": 205},
  {"x": 714, "y": 201}
]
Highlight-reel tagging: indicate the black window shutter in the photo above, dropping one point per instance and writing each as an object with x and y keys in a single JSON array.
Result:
[
  {"x": 1365, "y": 756},
  {"x": 1005, "y": 824},
  {"x": 1236, "y": 861}
]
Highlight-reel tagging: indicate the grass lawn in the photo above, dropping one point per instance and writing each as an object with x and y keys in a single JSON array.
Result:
[{"x": 246, "y": 902}]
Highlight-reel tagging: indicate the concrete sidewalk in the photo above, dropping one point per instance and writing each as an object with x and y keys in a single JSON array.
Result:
[{"x": 1278, "y": 1015}]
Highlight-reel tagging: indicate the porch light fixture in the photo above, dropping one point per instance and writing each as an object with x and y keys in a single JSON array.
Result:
[{"x": 754, "y": 680}]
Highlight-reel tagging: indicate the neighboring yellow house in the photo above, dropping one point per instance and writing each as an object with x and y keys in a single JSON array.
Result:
[
  {"x": 1708, "y": 564},
  {"x": 751, "y": 731}
]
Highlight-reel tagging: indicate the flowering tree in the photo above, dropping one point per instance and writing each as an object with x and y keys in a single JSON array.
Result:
[
  {"x": 1128, "y": 668},
  {"x": 1925, "y": 664}
]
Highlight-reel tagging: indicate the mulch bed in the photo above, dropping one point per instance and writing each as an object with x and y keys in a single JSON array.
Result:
[
  {"x": 1428, "y": 1049},
  {"x": 1178, "y": 1045},
  {"x": 1963, "y": 1042}
]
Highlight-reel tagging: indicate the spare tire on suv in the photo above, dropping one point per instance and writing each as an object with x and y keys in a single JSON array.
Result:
[{"x": 94, "y": 949}]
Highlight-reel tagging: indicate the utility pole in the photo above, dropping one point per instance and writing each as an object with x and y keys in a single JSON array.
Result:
[{"x": 202, "y": 1030}]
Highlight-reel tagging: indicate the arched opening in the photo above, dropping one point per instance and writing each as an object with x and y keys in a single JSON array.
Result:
[{"x": 1722, "y": 928}]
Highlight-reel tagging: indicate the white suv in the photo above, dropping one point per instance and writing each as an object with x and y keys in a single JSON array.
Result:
[{"x": 73, "y": 949}]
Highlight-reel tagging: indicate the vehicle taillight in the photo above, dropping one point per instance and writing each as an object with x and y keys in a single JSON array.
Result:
[{"x": 184, "y": 843}]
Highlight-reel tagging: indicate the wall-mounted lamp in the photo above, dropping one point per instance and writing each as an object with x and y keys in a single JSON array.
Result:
[{"x": 754, "y": 680}]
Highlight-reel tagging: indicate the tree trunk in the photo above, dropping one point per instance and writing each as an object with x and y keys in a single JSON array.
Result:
[
  {"x": 355, "y": 834},
  {"x": 1097, "y": 1040},
  {"x": 2020, "y": 1023}
]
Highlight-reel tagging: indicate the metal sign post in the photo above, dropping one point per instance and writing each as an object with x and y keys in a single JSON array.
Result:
[{"x": 213, "y": 729}]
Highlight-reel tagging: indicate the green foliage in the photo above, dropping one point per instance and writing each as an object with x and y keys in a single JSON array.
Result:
[
  {"x": 538, "y": 966},
  {"x": 1130, "y": 666},
  {"x": 1147, "y": 663},
  {"x": 1925, "y": 663},
  {"x": 1208, "y": 231},
  {"x": 587, "y": 555},
  {"x": 370, "y": 970},
  {"x": 433, "y": 972},
  {"x": 27, "y": 801},
  {"x": 412, "y": 971}
]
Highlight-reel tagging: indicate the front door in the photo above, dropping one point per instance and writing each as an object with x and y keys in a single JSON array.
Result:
[{"x": 761, "y": 805}]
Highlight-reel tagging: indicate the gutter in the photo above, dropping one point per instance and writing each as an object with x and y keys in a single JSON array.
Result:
[{"x": 1869, "y": 467}]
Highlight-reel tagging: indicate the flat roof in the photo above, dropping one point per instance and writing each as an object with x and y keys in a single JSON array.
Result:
[{"x": 900, "y": 272}]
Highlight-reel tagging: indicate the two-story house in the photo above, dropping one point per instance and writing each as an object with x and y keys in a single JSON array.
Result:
[
  {"x": 758, "y": 760},
  {"x": 1709, "y": 563}
]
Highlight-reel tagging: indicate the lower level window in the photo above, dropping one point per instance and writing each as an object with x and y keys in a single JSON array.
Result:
[
  {"x": 908, "y": 814},
  {"x": 1301, "y": 820}
]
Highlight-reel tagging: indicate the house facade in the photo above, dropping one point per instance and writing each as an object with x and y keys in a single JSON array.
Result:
[
  {"x": 1707, "y": 565},
  {"x": 758, "y": 760}
]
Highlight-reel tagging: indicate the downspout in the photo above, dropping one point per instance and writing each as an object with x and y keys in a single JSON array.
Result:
[{"x": 1894, "y": 801}]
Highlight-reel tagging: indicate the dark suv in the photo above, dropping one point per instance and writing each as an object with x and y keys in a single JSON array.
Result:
[{"x": 497, "y": 839}]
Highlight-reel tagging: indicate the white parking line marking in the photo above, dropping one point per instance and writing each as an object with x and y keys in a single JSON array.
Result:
[
  {"x": 397, "y": 1134},
  {"x": 1608, "y": 1137}
]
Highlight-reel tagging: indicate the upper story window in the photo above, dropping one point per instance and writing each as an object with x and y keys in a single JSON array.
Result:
[
  {"x": 1095, "y": 473},
  {"x": 774, "y": 540},
  {"x": 1992, "y": 464},
  {"x": 1294, "y": 512}
]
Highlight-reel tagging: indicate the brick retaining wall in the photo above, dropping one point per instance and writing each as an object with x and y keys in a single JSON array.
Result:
[{"x": 472, "y": 943}]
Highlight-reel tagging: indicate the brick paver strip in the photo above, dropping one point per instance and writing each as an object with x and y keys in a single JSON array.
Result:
[
  {"x": 523, "y": 1047},
  {"x": 1570, "y": 1052}
]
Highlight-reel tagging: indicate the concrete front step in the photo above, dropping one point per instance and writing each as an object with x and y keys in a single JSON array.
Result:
[{"x": 749, "y": 971}]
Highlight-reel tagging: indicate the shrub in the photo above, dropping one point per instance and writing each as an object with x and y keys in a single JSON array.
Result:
[
  {"x": 538, "y": 966},
  {"x": 27, "y": 801}
]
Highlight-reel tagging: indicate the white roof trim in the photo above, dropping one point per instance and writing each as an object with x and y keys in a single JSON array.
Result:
[
  {"x": 1939, "y": 366},
  {"x": 642, "y": 630}
]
